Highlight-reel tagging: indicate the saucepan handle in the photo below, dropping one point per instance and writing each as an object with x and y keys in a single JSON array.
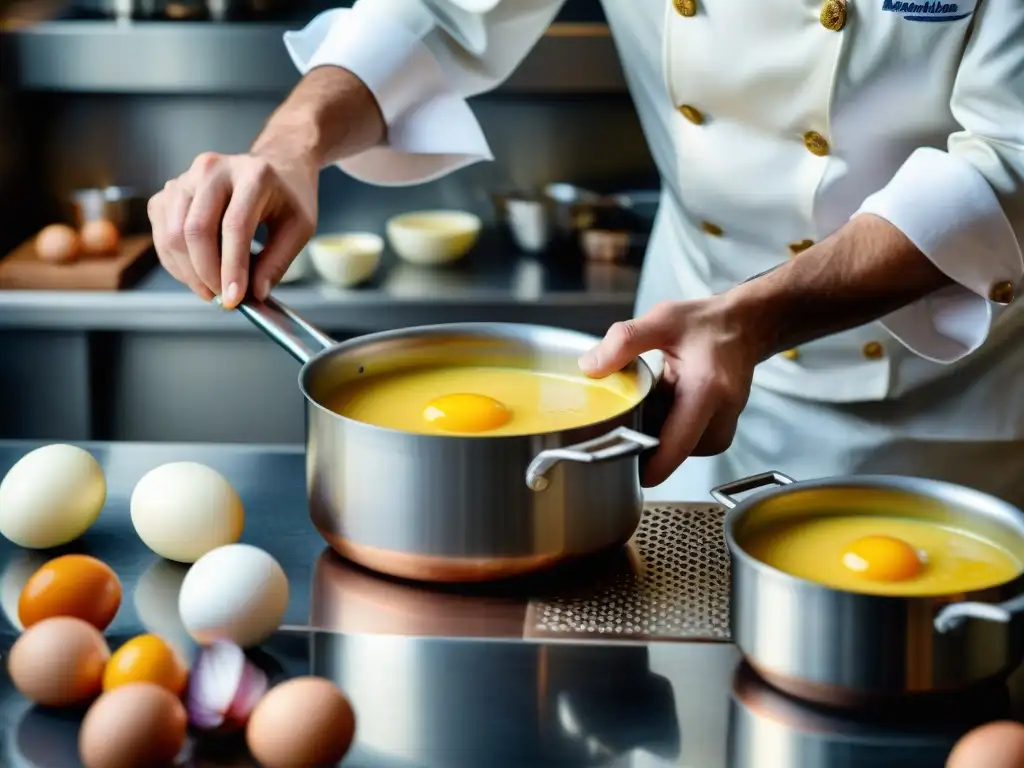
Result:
[
  {"x": 955, "y": 614},
  {"x": 726, "y": 494},
  {"x": 618, "y": 443},
  {"x": 285, "y": 327}
]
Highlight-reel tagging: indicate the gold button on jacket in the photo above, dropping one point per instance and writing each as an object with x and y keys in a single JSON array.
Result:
[
  {"x": 800, "y": 246},
  {"x": 1001, "y": 293},
  {"x": 692, "y": 114},
  {"x": 685, "y": 7},
  {"x": 816, "y": 143},
  {"x": 873, "y": 350},
  {"x": 712, "y": 229},
  {"x": 833, "y": 15},
  {"x": 791, "y": 354}
]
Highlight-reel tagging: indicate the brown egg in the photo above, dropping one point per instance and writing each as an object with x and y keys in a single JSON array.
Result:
[
  {"x": 58, "y": 243},
  {"x": 996, "y": 745},
  {"x": 59, "y": 662},
  {"x": 99, "y": 237},
  {"x": 303, "y": 723},
  {"x": 134, "y": 725}
]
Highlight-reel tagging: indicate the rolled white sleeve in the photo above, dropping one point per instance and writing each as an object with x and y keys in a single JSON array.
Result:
[
  {"x": 963, "y": 208},
  {"x": 422, "y": 60}
]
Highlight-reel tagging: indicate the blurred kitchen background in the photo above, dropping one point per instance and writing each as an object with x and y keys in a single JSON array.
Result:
[{"x": 126, "y": 93}]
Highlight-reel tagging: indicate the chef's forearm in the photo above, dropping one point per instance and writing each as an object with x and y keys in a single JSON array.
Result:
[
  {"x": 861, "y": 273},
  {"x": 329, "y": 115}
]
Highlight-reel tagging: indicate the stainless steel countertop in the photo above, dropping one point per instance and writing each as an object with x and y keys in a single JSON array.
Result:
[
  {"x": 444, "y": 701},
  {"x": 489, "y": 285}
]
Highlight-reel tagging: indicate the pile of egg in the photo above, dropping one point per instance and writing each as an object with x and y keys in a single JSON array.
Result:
[{"x": 144, "y": 698}]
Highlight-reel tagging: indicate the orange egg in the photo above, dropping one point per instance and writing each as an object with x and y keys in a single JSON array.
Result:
[
  {"x": 99, "y": 237},
  {"x": 883, "y": 558},
  {"x": 466, "y": 413},
  {"x": 71, "y": 585},
  {"x": 146, "y": 659}
]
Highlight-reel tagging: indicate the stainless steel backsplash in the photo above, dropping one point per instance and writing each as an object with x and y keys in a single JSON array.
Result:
[{"x": 76, "y": 140}]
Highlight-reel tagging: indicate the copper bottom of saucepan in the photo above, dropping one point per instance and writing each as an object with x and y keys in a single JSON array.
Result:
[
  {"x": 441, "y": 569},
  {"x": 985, "y": 701},
  {"x": 843, "y": 698},
  {"x": 348, "y": 599}
]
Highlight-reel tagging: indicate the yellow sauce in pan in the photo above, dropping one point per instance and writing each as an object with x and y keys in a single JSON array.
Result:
[
  {"x": 483, "y": 401},
  {"x": 883, "y": 555}
]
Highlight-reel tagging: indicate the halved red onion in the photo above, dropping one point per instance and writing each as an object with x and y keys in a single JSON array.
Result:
[{"x": 224, "y": 688}]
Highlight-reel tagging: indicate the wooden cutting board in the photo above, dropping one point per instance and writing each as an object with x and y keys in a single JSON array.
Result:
[{"x": 23, "y": 269}]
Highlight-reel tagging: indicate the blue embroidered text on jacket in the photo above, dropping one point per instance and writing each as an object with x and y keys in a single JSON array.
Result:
[{"x": 927, "y": 11}]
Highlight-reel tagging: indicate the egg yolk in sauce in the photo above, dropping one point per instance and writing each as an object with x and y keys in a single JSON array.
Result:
[
  {"x": 482, "y": 401},
  {"x": 466, "y": 413},
  {"x": 883, "y": 558},
  {"x": 874, "y": 554}
]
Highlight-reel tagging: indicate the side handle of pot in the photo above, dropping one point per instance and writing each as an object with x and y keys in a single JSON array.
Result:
[
  {"x": 618, "y": 443},
  {"x": 726, "y": 494},
  {"x": 285, "y": 327},
  {"x": 955, "y": 614}
]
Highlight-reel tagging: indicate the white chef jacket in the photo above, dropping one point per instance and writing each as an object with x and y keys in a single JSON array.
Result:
[{"x": 772, "y": 124}]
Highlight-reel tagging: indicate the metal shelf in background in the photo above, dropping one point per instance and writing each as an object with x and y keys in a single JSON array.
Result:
[{"x": 250, "y": 59}]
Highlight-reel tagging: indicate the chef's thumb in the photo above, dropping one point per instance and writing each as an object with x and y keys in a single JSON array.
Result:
[{"x": 623, "y": 342}]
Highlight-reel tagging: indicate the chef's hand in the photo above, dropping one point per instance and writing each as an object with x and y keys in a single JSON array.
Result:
[
  {"x": 204, "y": 221},
  {"x": 708, "y": 366}
]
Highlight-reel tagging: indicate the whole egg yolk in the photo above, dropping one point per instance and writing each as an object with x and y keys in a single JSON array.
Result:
[
  {"x": 466, "y": 413},
  {"x": 883, "y": 558}
]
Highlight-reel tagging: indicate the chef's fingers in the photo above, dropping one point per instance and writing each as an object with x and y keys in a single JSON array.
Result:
[
  {"x": 720, "y": 431},
  {"x": 158, "y": 223},
  {"x": 627, "y": 340},
  {"x": 202, "y": 228},
  {"x": 242, "y": 217},
  {"x": 685, "y": 424},
  {"x": 177, "y": 199},
  {"x": 287, "y": 237}
]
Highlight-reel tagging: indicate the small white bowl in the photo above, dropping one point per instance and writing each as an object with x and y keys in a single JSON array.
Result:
[
  {"x": 433, "y": 237},
  {"x": 298, "y": 269},
  {"x": 348, "y": 259}
]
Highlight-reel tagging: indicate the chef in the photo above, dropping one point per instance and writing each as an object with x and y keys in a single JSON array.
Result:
[{"x": 866, "y": 155}]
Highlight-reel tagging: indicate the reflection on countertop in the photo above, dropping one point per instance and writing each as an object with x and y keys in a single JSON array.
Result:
[
  {"x": 493, "y": 283},
  {"x": 433, "y": 685}
]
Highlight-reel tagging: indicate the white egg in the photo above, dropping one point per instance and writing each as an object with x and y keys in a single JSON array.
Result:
[
  {"x": 237, "y": 593},
  {"x": 51, "y": 497},
  {"x": 183, "y": 510}
]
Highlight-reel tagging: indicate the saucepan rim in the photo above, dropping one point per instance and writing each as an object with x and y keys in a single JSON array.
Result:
[
  {"x": 483, "y": 330},
  {"x": 1000, "y": 509}
]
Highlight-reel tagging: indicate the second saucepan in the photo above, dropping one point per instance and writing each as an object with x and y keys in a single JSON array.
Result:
[
  {"x": 455, "y": 508},
  {"x": 849, "y": 648}
]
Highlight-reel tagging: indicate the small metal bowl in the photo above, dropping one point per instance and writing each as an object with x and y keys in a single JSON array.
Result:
[{"x": 122, "y": 206}]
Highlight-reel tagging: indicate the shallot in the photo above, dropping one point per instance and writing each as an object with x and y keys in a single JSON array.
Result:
[{"x": 224, "y": 688}]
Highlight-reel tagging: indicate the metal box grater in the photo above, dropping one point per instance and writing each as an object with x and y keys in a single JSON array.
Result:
[{"x": 674, "y": 585}]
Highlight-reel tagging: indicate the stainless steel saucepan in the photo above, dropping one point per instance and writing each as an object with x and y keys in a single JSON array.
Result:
[
  {"x": 439, "y": 508},
  {"x": 850, "y": 649}
]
